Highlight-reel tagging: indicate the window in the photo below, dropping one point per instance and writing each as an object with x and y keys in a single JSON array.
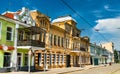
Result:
[
  {"x": 68, "y": 42},
  {"x": 62, "y": 42},
  {"x": 58, "y": 41},
  {"x": 19, "y": 57},
  {"x": 51, "y": 39},
  {"x": 26, "y": 60},
  {"x": 9, "y": 33},
  {"x": 20, "y": 36},
  {"x": 50, "y": 61},
  {"x": 54, "y": 39},
  {"x": 7, "y": 59},
  {"x": 0, "y": 29},
  {"x": 44, "y": 37},
  {"x": 39, "y": 59}
]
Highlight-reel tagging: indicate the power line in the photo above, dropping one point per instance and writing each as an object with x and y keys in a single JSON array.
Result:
[{"x": 82, "y": 18}]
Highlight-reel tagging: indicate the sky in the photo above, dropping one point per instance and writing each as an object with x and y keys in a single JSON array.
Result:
[{"x": 103, "y": 16}]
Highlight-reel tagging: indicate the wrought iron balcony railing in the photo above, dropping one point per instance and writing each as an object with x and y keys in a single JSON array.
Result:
[{"x": 35, "y": 43}]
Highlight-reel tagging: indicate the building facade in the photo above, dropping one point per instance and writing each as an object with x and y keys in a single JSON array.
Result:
[
  {"x": 7, "y": 31},
  {"x": 99, "y": 55},
  {"x": 8, "y": 37},
  {"x": 110, "y": 47},
  {"x": 23, "y": 37},
  {"x": 63, "y": 47},
  {"x": 55, "y": 44}
]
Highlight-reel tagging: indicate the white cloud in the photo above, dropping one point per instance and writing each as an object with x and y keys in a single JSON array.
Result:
[
  {"x": 106, "y": 7},
  {"x": 109, "y": 28},
  {"x": 109, "y": 25}
]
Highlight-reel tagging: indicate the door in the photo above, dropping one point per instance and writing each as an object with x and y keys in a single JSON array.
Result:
[
  {"x": 95, "y": 61},
  {"x": 91, "y": 60},
  {"x": 67, "y": 60}
]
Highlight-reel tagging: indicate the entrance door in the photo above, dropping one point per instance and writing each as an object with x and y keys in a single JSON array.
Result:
[
  {"x": 67, "y": 60},
  {"x": 95, "y": 61},
  {"x": 91, "y": 60},
  {"x": 19, "y": 59}
]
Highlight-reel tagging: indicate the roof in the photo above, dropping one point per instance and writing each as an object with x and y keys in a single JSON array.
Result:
[
  {"x": 11, "y": 14},
  {"x": 63, "y": 18}
]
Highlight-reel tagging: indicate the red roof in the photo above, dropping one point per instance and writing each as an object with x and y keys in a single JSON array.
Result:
[{"x": 10, "y": 15}]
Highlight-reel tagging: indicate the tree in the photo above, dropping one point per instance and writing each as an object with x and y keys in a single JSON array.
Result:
[{"x": 116, "y": 56}]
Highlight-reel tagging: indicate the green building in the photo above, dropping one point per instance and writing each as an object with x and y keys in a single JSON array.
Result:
[{"x": 11, "y": 55}]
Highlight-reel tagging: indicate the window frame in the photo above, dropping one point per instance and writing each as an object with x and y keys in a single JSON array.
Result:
[
  {"x": 9, "y": 32},
  {"x": 55, "y": 39},
  {"x": 7, "y": 59},
  {"x": 0, "y": 29},
  {"x": 20, "y": 57},
  {"x": 27, "y": 59}
]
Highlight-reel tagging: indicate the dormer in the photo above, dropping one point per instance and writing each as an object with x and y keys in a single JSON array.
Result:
[{"x": 25, "y": 17}]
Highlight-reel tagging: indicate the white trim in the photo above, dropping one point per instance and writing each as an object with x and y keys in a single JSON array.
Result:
[
  {"x": 0, "y": 29},
  {"x": 10, "y": 59},
  {"x": 75, "y": 51},
  {"x": 28, "y": 47},
  {"x": 14, "y": 21},
  {"x": 61, "y": 19}
]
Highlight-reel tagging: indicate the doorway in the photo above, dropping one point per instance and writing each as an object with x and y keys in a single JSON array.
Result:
[{"x": 67, "y": 60}]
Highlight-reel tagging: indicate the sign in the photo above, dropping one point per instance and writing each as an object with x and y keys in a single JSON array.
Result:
[{"x": 5, "y": 48}]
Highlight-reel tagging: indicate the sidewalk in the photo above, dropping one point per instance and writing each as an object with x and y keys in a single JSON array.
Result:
[{"x": 57, "y": 70}]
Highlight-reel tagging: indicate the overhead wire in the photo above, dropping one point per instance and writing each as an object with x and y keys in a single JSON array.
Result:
[{"x": 83, "y": 18}]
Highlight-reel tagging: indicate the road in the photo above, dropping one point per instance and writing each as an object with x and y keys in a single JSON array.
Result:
[{"x": 113, "y": 69}]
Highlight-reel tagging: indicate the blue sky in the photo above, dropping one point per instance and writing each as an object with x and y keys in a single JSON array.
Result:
[{"x": 101, "y": 14}]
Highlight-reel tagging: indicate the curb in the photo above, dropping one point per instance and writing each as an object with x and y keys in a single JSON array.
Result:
[
  {"x": 80, "y": 69},
  {"x": 70, "y": 71}
]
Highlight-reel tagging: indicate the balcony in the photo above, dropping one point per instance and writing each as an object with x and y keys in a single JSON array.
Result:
[
  {"x": 31, "y": 36},
  {"x": 35, "y": 43},
  {"x": 82, "y": 49}
]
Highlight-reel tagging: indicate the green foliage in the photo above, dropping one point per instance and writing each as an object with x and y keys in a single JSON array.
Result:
[{"x": 116, "y": 56}]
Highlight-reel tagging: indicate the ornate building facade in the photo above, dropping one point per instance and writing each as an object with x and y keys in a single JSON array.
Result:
[
  {"x": 63, "y": 45},
  {"x": 55, "y": 44}
]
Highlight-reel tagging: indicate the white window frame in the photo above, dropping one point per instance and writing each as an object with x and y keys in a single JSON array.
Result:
[
  {"x": 0, "y": 29},
  {"x": 21, "y": 58},
  {"x": 10, "y": 59},
  {"x": 11, "y": 35},
  {"x": 27, "y": 59}
]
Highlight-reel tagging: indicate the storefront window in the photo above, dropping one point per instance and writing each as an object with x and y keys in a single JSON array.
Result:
[{"x": 7, "y": 59}]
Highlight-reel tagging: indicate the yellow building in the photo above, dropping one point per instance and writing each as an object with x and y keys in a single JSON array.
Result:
[{"x": 63, "y": 45}]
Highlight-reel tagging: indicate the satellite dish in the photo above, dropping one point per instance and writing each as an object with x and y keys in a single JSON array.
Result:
[{"x": 5, "y": 48}]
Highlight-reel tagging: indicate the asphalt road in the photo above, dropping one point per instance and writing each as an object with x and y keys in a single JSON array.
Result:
[{"x": 113, "y": 69}]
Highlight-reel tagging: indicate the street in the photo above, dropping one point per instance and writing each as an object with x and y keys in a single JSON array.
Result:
[{"x": 114, "y": 69}]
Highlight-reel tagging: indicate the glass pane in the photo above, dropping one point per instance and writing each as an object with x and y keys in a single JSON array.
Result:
[
  {"x": 9, "y": 29},
  {"x": 9, "y": 36}
]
